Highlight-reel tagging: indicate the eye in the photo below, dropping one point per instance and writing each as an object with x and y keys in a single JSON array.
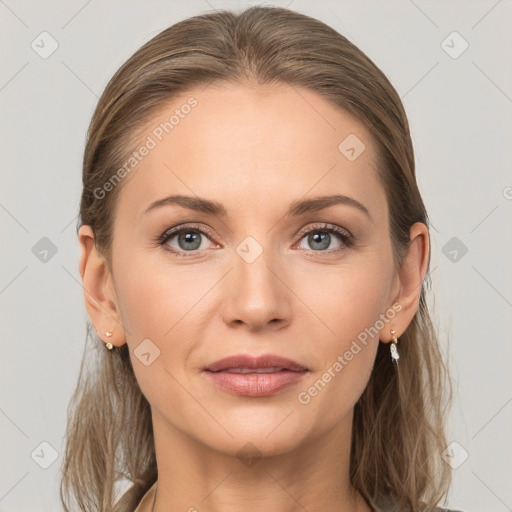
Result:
[
  {"x": 188, "y": 239},
  {"x": 319, "y": 238}
]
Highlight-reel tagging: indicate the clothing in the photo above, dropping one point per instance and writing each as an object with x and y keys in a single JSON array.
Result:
[{"x": 384, "y": 503}]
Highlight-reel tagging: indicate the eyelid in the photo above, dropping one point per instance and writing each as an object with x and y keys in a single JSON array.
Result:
[
  {"x": 324, "y": 226},
  {"x": 180, "y": 227}
]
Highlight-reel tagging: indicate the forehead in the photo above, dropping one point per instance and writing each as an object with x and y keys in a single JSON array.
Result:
[{"x": 252, "y": 145}]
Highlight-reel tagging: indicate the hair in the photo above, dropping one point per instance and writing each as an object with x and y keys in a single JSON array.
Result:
[{"x": 398, "y": 429}]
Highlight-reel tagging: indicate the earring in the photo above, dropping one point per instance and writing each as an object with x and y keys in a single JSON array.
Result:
[
  {"x": 394, "y": 351},
  {"x": 109, "y": 345}
]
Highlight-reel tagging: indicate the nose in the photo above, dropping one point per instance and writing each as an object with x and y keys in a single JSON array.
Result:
[{"x": 257, "y": 295}]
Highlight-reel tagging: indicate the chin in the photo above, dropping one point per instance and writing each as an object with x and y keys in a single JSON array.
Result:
[
  {"x": 257, "y": 438},
  {"x": 249, "y": 449}
]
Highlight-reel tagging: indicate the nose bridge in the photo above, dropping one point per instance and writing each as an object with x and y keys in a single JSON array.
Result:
[{"x": 257, "y": 296}]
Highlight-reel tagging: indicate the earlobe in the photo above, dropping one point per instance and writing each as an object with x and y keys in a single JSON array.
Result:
[
  {"x": 99, "y": 292},
  {"x": 410, "y": 277}
]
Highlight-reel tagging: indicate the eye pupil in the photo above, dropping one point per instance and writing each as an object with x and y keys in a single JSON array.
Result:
[{"x": 323, "y": 239}]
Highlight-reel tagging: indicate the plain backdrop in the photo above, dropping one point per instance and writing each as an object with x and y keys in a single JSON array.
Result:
[{"x": 451, "y": 64}]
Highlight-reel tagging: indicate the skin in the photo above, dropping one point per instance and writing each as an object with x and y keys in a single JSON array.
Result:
[{"x": 256, "y": 150}]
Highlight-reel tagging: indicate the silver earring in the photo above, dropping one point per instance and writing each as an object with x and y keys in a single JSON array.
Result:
[
  {"x": 394, "y": 351},
  {"x": 109, "y": 345}
]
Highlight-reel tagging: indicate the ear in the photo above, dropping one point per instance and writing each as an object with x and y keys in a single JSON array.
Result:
[
  {"x": 409, "y": 281},
  {"x": 99, "y": 292}
]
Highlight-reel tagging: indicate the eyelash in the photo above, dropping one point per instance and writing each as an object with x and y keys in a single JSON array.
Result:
[{"x": 344, "y": 236}]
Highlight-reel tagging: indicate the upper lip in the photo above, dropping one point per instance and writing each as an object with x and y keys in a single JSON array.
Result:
[{"x": 254, "y": 362}]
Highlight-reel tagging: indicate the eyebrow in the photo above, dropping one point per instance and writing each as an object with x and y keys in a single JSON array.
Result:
[{"x": 296, "y": 208}]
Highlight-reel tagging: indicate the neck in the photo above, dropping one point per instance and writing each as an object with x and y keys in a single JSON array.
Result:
[{"x": 313, "y": 476}]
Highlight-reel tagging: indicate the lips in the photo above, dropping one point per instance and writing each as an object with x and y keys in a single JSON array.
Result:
[
  {"x": 252, "y": 376},
  {"x": 253, "y": 370},
  {"x": 267, "y": 363}
]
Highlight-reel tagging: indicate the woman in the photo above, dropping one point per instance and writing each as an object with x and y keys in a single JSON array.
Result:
[{"x": 254, "y": 257}]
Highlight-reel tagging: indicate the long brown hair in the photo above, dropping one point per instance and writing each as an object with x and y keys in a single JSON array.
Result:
[{"x": 398, "y": 431}]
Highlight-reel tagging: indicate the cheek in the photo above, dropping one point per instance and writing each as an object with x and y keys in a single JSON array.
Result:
[
  {"x": 346, "y": 353},
  {"x": 348, "y": 302},
  {"x": 157, "y": 304},
  {"x": 333, "y": 392},
  {"x": 345, "y": 300},
  {"x": 153, "y": 297}
]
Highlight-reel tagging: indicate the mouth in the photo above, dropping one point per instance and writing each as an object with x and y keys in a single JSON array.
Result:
[
  {"x": 255, "y": 376},
  {"x": 267, "y": 363},
  {"x": 254, "y": 370}
]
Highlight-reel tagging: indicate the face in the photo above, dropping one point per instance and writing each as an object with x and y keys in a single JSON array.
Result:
[{"x": 258, "y": 275}]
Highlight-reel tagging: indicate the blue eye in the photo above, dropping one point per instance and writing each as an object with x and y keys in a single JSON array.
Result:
[
  {"x": 319, "y": 238},
  {"x": 189, "y": 239}
]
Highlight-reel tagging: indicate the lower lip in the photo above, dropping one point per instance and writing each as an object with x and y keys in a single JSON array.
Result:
[{"x": 255, "y": 384}]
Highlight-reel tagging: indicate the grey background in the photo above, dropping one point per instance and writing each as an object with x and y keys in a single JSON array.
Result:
[{"x": 460, "y": 115}]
